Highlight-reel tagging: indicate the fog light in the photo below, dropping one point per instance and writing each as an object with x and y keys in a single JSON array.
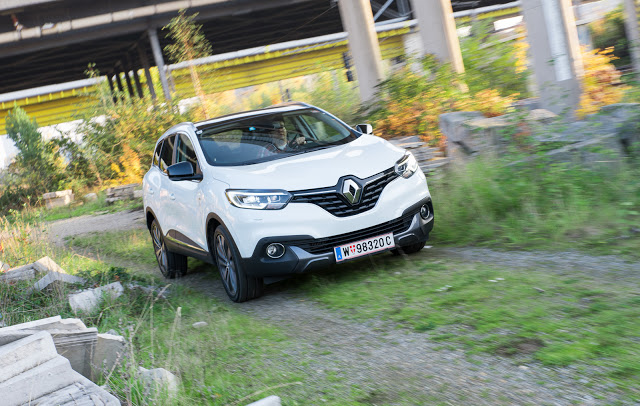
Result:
[
  {"x": 275, "y": 250},
  {"x": 425, "y": 212}
]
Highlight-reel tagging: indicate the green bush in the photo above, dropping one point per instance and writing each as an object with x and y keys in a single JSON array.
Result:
[
  {"x": 38, "y": 168},
  {"x": 610, "y": 32},
  {"x": 119, "y": 137},
  {"x": 494, "y": 63}
]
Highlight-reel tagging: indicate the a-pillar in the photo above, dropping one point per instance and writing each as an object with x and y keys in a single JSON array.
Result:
[
  {"x": 632, "y": 25},
  {"x": 438, "y": 31},
  {"x": 157, "y": 56},
  {"x": 147, "y": 73},
  {"x": 555, "y": 50},
  {"x": 357, "y": 19}
]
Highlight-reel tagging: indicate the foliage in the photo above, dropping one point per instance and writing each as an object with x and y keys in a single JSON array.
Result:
[
  {"x": 38, "y": 168},
  {"x": 189, "y": 40},
  {"x": 411, "y": 102},
  {"x": 120, "y": 137},
  {"x": 609, "y": 32},
  {"x": 189, "y": 43},
  {"x": 601, "y": 82},
  {"x": 494, "y": 63},
  {"x": 538, "y": 204},
  {"x": 331, "y": 91}
]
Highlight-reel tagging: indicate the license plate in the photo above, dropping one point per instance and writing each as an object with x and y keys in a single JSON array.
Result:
[{"x": 364, "y": 247}]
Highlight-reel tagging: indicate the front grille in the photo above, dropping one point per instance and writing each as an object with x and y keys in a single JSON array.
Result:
[
  {"x": 322, "y": 245},
  {"x": 332, "y": 201}
]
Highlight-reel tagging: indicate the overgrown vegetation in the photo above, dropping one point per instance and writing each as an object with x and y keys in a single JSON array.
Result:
[
  {"x": 411, "y": 101},
  {"x": 609, "y": 33},
  {"x": 235, "y": 359},
  {"x": 189, "y": 43},
  {"x": 38, "y": 168},
  {"x": 539, "y": 204},
  {"x": 601, "y": 82}
]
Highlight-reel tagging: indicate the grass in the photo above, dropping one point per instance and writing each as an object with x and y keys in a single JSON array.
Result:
[
  {"x": 234, "y": 360},
  {"x": 535, "y": 315},
  {"x": 557, "y": 319},
  {"x": 539, "y": 205},
  {"x": 78, "y": 208},
  {"x": 132, "y": 246}
]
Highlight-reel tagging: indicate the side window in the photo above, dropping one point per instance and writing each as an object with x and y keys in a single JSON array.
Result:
[
  {"x": 166, "y": 158},
  {"x": 186, "y": 153},
  {"x": 156, "y": 155}
]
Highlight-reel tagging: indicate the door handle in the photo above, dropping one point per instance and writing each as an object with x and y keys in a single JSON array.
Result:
[
  {"x": 172, "y": 196},
  {"x": 150, "y": 191}
]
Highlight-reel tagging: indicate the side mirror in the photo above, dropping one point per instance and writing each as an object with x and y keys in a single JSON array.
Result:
[
  {"x": 182, "y": 171},
  {"x": 365, "y": 129}
]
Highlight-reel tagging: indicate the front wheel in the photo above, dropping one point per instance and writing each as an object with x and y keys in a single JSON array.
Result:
[
  {"x": 239, "y": 286},
  {"x": 171, "y": 265}
]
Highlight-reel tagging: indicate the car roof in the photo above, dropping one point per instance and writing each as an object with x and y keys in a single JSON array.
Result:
[{"x": 278, "y": 108}]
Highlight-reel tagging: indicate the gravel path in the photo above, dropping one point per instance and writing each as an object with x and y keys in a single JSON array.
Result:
[
  {"x": 390, "y": 363},
  {"x": 126, "y": 220}
]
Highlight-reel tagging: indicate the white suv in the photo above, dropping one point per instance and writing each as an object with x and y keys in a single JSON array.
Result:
[{"x": 278, "y": 191}]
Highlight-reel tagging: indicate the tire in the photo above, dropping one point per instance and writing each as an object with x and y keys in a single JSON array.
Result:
[
  {"x": 171, "y": 265},
  {"x": 409, "y": 249},
  {"x": 239, "y": 286}
]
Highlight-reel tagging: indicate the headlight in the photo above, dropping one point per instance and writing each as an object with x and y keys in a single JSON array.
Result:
[
  {"x": 259, "y": 199},
  {"x": 407, "y": 166}
]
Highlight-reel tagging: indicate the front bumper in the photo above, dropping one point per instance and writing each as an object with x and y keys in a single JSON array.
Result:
[{"x": 305, "y": 253}]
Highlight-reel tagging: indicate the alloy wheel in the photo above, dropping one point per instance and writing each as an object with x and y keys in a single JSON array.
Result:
[
  {"x": 226, "y": 264},
  {"x": 160, "y": 249}
]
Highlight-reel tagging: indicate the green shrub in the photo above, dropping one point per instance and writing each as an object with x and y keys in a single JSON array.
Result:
[
  {"x": 411, "y": 100},
  {"x": 118, "y": 147},
  {"x": 494, "y": 63},
  {"x": 610, "y": 33},
  {"x": 38, "y": 168}
]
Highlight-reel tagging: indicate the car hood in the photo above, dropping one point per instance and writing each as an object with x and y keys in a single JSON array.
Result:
[{"x": 362, "y": 158}]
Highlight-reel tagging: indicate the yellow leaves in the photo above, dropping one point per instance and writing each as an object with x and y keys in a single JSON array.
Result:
[{"x": 601, "y": 81}]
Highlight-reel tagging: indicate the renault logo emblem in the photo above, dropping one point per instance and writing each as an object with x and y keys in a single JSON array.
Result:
[{"x": 352, "y": 191}]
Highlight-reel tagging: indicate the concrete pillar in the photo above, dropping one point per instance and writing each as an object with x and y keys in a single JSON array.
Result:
[
  {"x": 438, "y": 31},
  {"x": 147, "y": 73},
  {"x": 119, "y": 82},
  {"x": 113, "y": 92},
  {"x": 136, "y": 79},
  {"x": 127, "y": 79},
  {"x": 157, "y": 56},
  {"x": 632, "y": 26},
  {"x": 357, "y": 19},
  {"x": 555, "y": 50}
]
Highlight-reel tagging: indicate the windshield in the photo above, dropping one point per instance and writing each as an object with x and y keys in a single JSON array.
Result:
[{"x": 273, "y": 136}]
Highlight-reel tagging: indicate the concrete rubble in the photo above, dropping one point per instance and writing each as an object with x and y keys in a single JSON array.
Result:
[
  {"x": 159, "y": 382},
  {"x": 58, "y": 199},
  {"x": 268, "y": 401},
  {"x": 53, "y": 273},
  {"x": 123, "y": 192},
  {"x": 88, "y": 301},
  {"x": 46, "y": 362},
  {"x": 602, "y": 139}
]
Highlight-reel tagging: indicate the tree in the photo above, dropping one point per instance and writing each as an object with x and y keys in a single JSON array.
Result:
[{"x": 188, "y": 44}]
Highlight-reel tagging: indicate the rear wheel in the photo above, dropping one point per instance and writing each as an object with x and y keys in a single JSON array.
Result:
[
  {"x": 171, "y": 265},
  {"x": 239, "y": 286}
]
